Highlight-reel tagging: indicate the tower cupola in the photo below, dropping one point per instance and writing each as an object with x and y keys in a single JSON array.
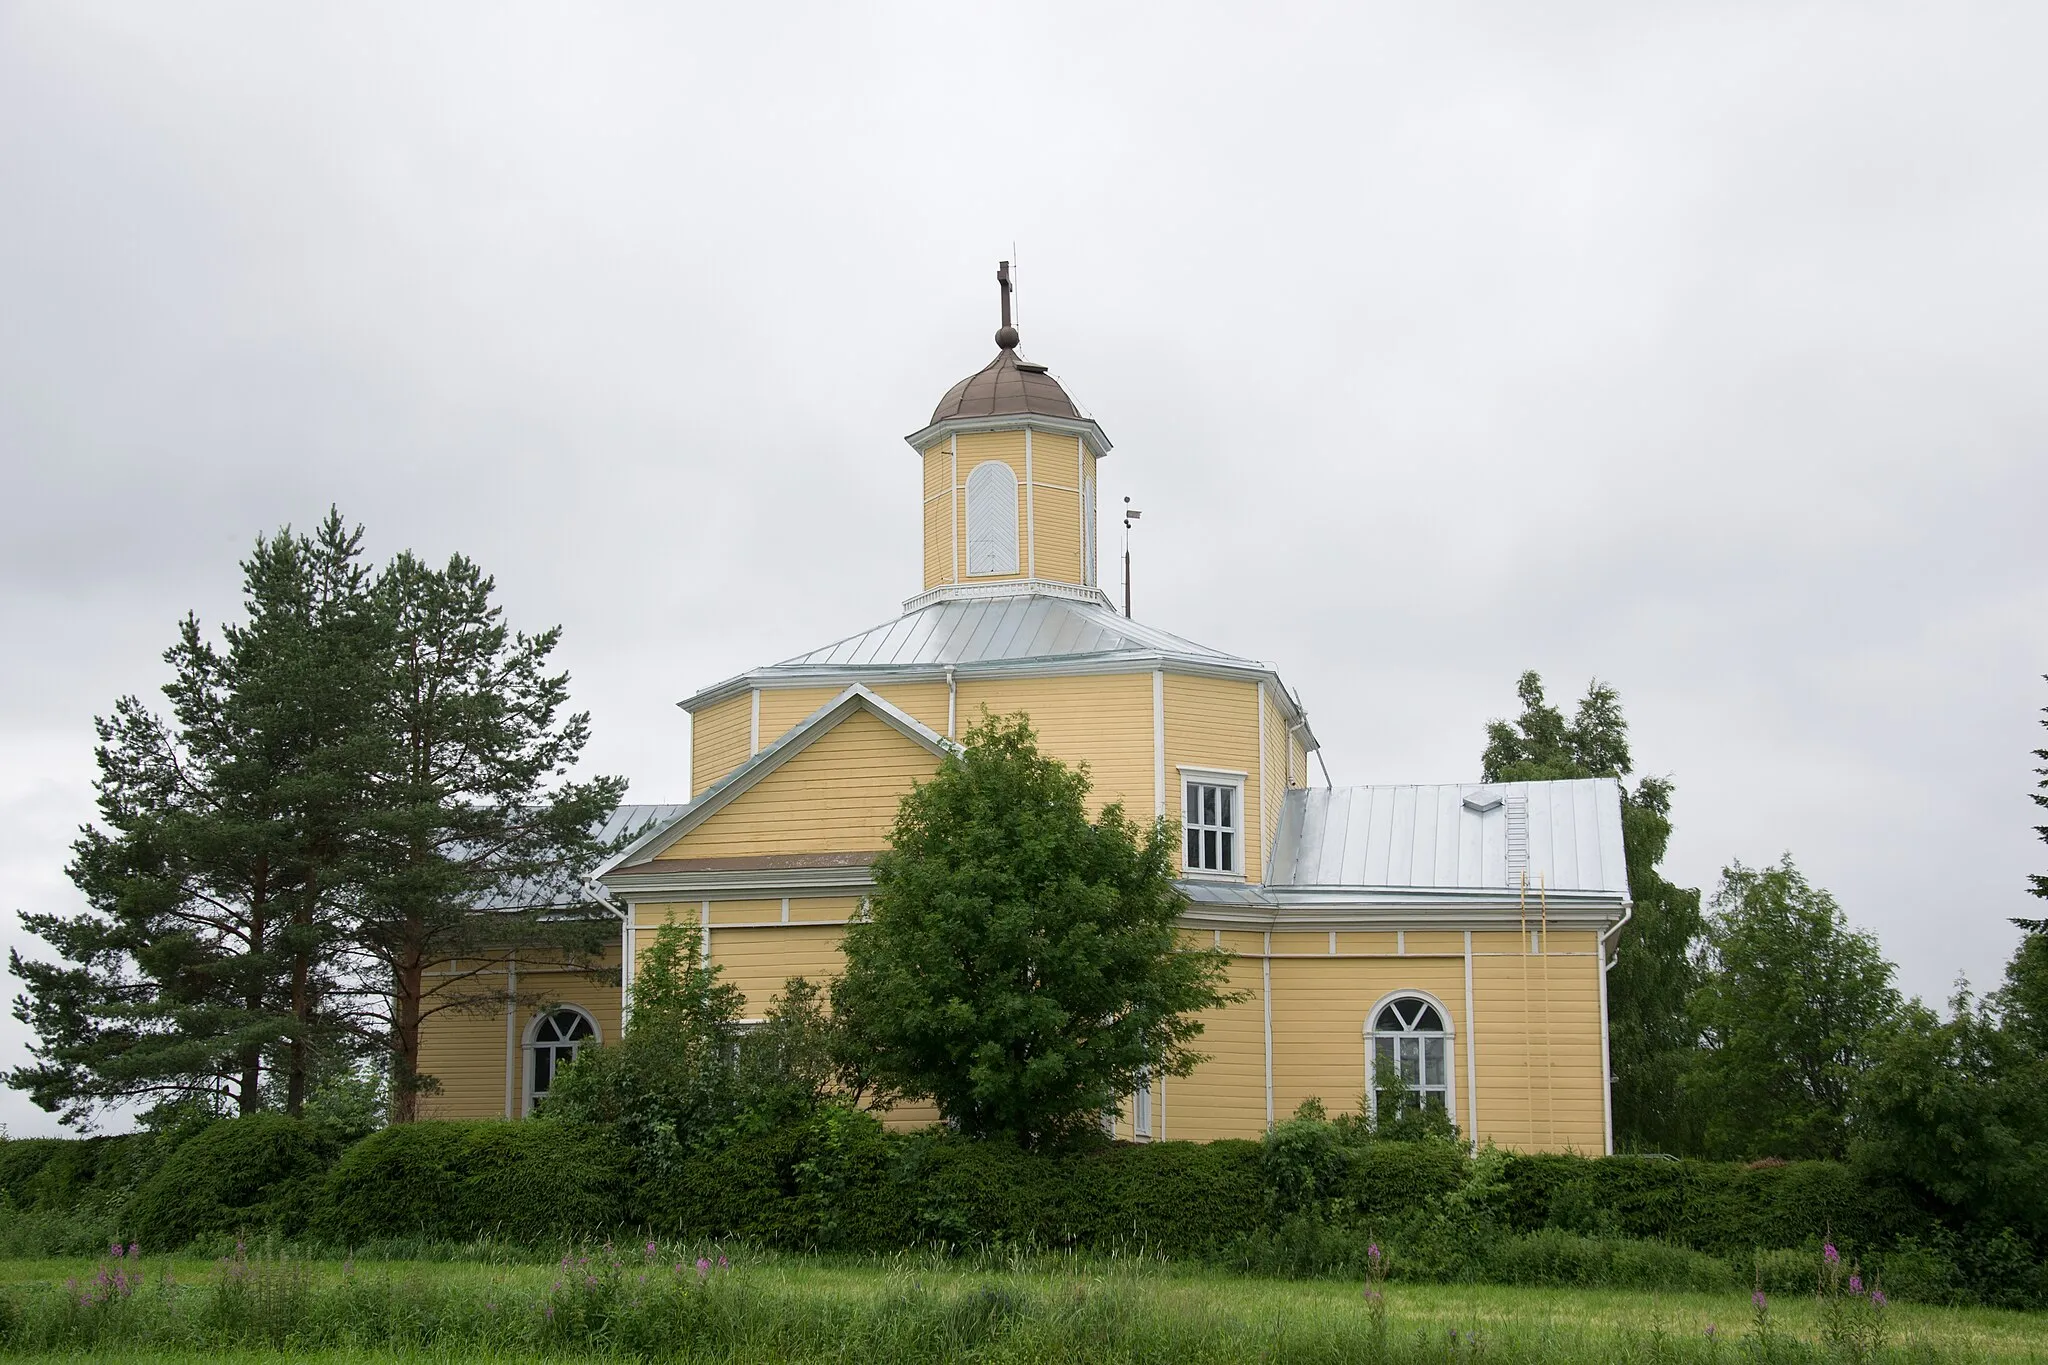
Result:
[{"x": 1009, "y": 479}]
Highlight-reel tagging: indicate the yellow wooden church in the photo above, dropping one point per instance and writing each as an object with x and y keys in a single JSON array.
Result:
[{"x": 1459, "y": 934}]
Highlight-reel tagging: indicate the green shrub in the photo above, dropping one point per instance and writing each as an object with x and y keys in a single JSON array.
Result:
[
  {"x": 259, "y": 1173},
  {"x": 531, "y": 1181}
]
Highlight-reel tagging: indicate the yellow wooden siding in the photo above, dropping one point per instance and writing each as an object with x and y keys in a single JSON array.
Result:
[
  {"x": 975, "y": 449},
  {"x": 1226, "y": 1095},
  {"x": 1056, "y": 497},
  {"x": 465, "y": 1050},
  {"x": 1539, "y": 1051},
  {"x": 1298, "y": 942},
  {"x": 761, "y": 961},
  {"x": 782, "y": 708},
  {"x": 763, "y": 911},
  {"x": 938, "y": 541},
  {"x": 1374, "y": 941},
  {"x": 1424, "y": 941},
  {"x": 1214, "y": 723},
  {"x": 465, "y": 1054},
  {"x": 803, "y": 908},
  {"x": 1320, "y": 1008},
  {"x": 718, "y": 739},
  {"x": 653, "y": 914},
  {"x": 924, "y": 702},
  {"x": 1104, "y": 721},
  {"x": 839, "y": 795},
  {"x": 1278, "y": 765}
]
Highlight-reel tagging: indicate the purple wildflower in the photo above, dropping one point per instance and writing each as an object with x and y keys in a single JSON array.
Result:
[
  {"x": 724, "y": 1264},
  {"x": 115, "y": 1251},
  {"x": 1711, "y": 1331},
  {"x": 651, "y": 1249},
  {"x": 1855, "y": 1284},
  {"x": 1757, "y": 1299},
  {"x": 703, "y": 1267},
  {"x": 1832, "y": 1256},
  {"x": 1877, "y": 1297},
  {"x": 134, "y": 1250}
]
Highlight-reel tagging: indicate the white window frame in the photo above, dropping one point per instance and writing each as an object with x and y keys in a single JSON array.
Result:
[
  {"x": 574, "y": 1049},
  {"x": 1141, "y": 1107},
  {"x": 991, "y": 519},
  {"x": 1449, "y": 1035},
  {"x": 1215, "y": 777}
]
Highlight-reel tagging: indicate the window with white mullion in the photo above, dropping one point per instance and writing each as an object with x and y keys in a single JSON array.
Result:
[
  {"x": 1212, "y": 826},
  {"x": 1411, "y": 1054}
]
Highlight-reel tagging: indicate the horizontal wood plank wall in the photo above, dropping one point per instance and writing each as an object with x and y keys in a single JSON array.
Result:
[
  {"x": 718, "y": 739},
  {"x": 977, "y": 448},
  {"x": 1105, "y": 721},
  {"x": 761, "y": 961},
  {"x": 924, "y": 702},
  {"x": 1226, "y": 1095},
  {"x": 783, "y": 707},
  {"x": 1279, "y": 774},
  {"x": 1320, "y": 1006},
  {"x": 465, "y": 1051},
  {"x": 837, "y": 796},
  {"x": 1056, "y": 490},
  {"x": 1214, "y": 723},
  {"x": 938, "y": 515},
  {"x": 1539, "y": 1043}
]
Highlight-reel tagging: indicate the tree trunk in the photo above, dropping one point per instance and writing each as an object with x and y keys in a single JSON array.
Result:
[
  {"x": 296, "y": 1083},
  {"x": 250, "y": 1098},
  {"x": 408, "y": 980}
]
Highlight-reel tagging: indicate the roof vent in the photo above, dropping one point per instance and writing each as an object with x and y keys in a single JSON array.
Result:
[{"x": 1481, "y": 802}]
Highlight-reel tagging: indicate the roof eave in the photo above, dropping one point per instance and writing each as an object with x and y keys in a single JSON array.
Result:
[{"x": 1086, "y": 428}]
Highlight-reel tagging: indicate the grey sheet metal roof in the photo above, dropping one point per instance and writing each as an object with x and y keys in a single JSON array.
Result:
[
  {"x": 998, "y": 630},
  {"x": 566, "y": 888},
  {"x": 1566, "y": 836}
]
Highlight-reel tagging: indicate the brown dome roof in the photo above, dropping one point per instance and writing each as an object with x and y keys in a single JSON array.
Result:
[{"x": 1004, "y": 386}]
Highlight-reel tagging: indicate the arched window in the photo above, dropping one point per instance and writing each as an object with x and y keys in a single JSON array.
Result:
[
  {"x": 991, "y": 519},
  {"x": 1410, "y": 1047},
  {"x": 552, "y": 1043}
]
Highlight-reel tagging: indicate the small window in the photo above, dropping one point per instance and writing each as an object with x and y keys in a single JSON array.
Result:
[
  {"x": 1141, "y": 1108},
  {"x": 1212, "y": 826},
  {"x": 992, "y": 519},
  {"x": 554, "y": 1040},
  {"x": 1411, "y": 1044}
]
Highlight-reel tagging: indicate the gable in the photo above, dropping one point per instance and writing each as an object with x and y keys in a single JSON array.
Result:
[{"x": 839, "y": 795}]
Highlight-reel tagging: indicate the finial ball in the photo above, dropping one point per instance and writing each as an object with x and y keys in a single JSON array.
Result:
[{"x": 1007, "y": 338}]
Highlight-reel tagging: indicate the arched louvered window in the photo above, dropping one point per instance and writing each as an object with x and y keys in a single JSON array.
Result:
[
  {"x": 1410, "y": 1050},
  {"x": 552, "y": 1043},
  {"x": 991, "y": 519}
]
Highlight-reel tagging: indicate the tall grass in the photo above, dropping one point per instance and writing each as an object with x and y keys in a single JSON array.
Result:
[{"x": 660, "y": 1302}]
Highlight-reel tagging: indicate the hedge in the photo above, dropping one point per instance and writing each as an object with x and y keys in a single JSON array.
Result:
[
  {"x": 1309, "y": 1202},
  {"x": 1724, "y": 1208},
  {"x": 522, "y": 1182},
  {"x": 260, "y": 1173}
]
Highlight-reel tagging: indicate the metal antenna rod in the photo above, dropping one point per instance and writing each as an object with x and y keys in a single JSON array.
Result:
[{"x": 1131, "y": 514}]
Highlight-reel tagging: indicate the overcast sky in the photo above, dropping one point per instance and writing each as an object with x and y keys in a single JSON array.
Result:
[{"x": 1698, "y": 349}]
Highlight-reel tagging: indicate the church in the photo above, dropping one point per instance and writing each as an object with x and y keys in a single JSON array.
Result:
[{"x": 1458, "y": 935}]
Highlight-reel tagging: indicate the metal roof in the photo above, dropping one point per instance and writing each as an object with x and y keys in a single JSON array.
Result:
[
  {"x": 1029, "y": 626},
  {"x": 565, "y": 885},
  {"x": 1006, "y": 386},
  {"x": 1565, "y": 836}
]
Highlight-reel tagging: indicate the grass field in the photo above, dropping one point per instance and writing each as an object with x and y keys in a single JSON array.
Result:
[{"x": 906, "y": 1308}]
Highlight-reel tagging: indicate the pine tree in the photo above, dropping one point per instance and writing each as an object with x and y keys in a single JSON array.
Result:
[
  {"x": 212, "y": 883},
  {"x": 1651, "y": 1038},
  {"x": 471, "y": 808}
]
